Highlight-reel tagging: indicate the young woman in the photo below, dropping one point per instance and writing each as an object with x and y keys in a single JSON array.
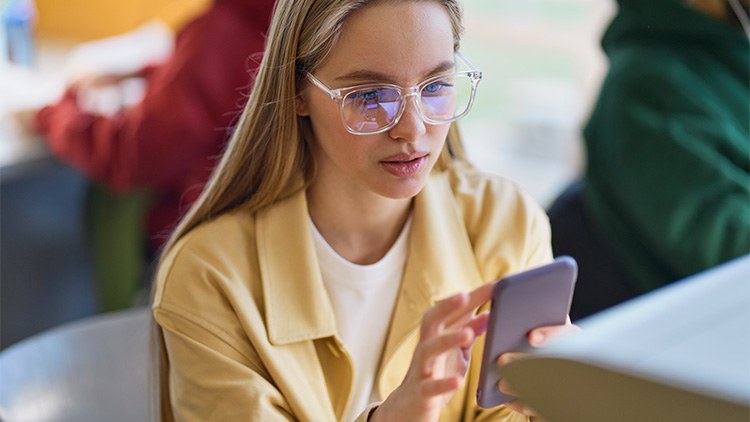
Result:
[{"x": 323, "y": 273}]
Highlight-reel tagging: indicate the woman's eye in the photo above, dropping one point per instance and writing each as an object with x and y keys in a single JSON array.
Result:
[
  {"x": 435, "y": 87},
  {"x": 367, "y": 95}
]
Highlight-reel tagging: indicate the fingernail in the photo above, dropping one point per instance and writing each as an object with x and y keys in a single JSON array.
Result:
[
  {"x": 537, "y": 338},
  {"x": 483, "y": 326}
]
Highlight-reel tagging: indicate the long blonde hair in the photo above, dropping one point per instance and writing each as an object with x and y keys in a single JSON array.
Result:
[{"x": 269, "y": 148}]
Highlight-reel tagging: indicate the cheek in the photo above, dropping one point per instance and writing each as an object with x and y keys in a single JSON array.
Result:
[
  {"x": 325, "y": 117},
  {"x": 437, "y": 135},
  {"x": 331, "y": 138}
]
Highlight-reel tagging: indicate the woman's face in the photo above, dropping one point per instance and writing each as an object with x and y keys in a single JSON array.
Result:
[{"x": 404, "y": 44}]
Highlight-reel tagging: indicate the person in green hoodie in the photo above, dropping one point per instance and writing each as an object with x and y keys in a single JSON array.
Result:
[{"x": 667, "y": 187}]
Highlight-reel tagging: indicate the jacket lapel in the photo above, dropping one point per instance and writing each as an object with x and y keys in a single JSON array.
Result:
[
  {"x": 440, "y": 263},
  {"x": 297, "y": 308}
]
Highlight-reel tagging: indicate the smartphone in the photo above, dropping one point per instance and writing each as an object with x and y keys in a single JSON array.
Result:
[{"x": 521, "y": 302}]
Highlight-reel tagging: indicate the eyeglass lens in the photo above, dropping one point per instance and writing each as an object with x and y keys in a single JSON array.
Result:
[{"x": 440, "y": 100}]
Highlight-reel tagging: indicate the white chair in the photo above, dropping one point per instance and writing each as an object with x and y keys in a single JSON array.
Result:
[{"x": 94, "y": 369}]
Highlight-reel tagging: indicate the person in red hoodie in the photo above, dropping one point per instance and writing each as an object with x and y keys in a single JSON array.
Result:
[{"x": 168, "y": 142}]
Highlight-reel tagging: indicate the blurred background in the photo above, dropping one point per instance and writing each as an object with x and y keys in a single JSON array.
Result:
[{"x": 542, "y": 68}]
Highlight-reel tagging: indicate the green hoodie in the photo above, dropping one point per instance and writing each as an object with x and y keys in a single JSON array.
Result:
[{"x": 668, "y": 142}]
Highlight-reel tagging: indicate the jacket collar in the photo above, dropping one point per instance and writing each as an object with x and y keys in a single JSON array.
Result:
[
  {"x": 296, "y": 303},
  {"x": 297, "y": 308}
]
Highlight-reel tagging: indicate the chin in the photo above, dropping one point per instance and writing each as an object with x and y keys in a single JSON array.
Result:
[{"x": 403, "y": 189}]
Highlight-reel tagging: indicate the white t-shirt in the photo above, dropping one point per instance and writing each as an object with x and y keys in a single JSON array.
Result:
[{"x": 363, "y": 298}]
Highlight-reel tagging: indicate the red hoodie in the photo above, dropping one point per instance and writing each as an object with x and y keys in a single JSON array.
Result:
[{"x": 170, "y": 141}]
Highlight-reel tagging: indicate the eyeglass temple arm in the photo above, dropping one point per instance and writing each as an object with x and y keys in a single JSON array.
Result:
[
  {"x": 466, "y": 62},
  {"x": 333, "y": 93}
]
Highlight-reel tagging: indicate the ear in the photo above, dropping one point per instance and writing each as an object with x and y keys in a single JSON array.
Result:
[{"x": 300, "y": 106}]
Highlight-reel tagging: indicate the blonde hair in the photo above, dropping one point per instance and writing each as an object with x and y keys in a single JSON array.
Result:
[{"x": 269, "y": 148}]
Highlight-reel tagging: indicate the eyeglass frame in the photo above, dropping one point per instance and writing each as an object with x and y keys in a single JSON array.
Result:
[{"x": 339, "y": 94}]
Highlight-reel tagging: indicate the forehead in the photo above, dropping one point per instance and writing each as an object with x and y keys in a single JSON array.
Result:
[{"x": 403, "y": 40}]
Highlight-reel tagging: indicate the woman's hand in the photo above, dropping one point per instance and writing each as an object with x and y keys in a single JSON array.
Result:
[
  {"x": 100, "y": 80},
  {"x": 440, "y": 360},
  {"x": 538, "y": 337},
  {"x": 25, "y": 120}
]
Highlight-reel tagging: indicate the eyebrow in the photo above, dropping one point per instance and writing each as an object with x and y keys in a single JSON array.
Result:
[{"x": 372, "y": 76}]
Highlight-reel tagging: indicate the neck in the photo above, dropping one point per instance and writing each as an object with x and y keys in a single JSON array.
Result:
[
  {"x": 360, "y": 228},
  {"x": 717, "y": 9}
]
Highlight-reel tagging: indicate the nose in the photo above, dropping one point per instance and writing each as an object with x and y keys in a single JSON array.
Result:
[{"x": 410, "y": 126}]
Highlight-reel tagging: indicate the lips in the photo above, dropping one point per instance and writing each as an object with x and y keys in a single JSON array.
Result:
[{"x": 405, "y": 165}]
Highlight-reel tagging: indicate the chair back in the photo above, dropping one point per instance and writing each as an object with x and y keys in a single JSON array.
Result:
[
  {"x": 94, "y": 369},
  {"x": 602, "y": 279}
]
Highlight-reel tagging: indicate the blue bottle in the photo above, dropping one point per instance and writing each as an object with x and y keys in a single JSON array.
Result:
[{"x": 18, "y": 18}]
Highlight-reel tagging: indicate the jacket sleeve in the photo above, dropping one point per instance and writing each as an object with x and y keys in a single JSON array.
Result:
[
  {"x": 214, "y": 380},
  {"x": 669, "y": 159},
  {"x": 180, "y": 125},
  {"x": 364, "y": 416},
  {"x": 211, "y": 326}
]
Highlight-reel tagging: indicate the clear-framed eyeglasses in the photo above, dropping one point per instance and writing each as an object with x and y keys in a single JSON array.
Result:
[{"x": 375, "y": 108}]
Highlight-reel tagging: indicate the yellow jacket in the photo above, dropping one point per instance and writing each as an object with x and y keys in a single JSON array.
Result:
[{"x": 248, "y": 326}]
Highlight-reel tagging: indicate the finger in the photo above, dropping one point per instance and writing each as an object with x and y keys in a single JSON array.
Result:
[
  {"x": 454, "y": 309},
  {"x": 509, "y": 357},
  {"x": 437, "y": 387},
  {"x": 505, "y": 388},
  {"x": 477, "y": 298},
  {"x": 479, "y": 323},
  {"x": 456, "y": 363},
  {"x": 430, "y": 349},
  {"x": 478, "y": 326},
  {"x": 434, "y": 318},
  {"x": 521, "y": 407},
  {"x": 543, "y": 335},
  {"x": 26, "y": 120}
]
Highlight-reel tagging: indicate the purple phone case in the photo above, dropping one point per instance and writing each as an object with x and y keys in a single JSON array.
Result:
[{"x": 521, "y": 302}]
